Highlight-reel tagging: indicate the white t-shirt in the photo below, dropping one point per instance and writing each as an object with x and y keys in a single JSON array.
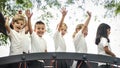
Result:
[
  {"x": 38, "y": 44},
  {"x": 16, "y": 39},
  {"x": 80, "y": 43},
  {"x": 27, "y": 43},
  {"x": 59, "y": 42},
  {"x": 101, "y": 45}
]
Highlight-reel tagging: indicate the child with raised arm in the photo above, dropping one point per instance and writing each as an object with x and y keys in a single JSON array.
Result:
[
  {"x": 26, "y": 36},
  {"x": 103, "y": 43},
  {"x": 38, "y": 44},
  {"x": 16, "y": 35},
  {"x": 80, "y": 44},
  {"x": 60, "y": 45}
]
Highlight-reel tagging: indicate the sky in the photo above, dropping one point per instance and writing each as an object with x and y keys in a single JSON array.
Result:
[{"x": 75, "y": 13}]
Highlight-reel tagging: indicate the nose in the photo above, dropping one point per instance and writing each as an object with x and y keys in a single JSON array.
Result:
[{"x": 40, "y": 29}]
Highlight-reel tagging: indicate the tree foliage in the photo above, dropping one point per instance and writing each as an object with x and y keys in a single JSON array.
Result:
[
  {"x": 113, "y": 5},
  {"x": 10, "y": 7}
]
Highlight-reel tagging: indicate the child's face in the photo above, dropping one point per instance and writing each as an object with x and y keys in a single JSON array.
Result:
[
  {"x": 108, "y": 32},
  {"x": 17, "y": 26},
  {"x": 63, "y": 30},
  {"x": 40, "y": 29},
  {"x": 85, "y": 32}
]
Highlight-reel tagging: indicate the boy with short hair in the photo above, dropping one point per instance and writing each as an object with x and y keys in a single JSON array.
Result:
[{"x": 38, "y": 44}]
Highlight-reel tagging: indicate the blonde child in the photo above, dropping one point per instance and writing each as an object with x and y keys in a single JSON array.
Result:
[
  {"x": 80, "y": 44},
  {"x": 60, "y": 45},
  {"x": 16, "y": 35}
]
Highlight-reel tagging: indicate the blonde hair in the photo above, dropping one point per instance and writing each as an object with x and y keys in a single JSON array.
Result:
[
  {"x": 63, "y": 24},
  {"x": 19, "y": 17},
  {"x": 79, "y": 26}
]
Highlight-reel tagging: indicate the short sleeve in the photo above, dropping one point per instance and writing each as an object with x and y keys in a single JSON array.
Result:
[
  {"x": 33, "y": 35},
  {"x": 104, "y": 42}
]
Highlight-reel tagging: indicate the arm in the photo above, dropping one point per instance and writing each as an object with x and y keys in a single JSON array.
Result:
[
  {"x": 26, "y": 27},
  {"x": 108, "y": 51},
  {"x": 29, "y": 15},
  {"x": 87, "y": 21},
  {"x": 64, "y": 12},
  {"x": 7, "y": 25}
]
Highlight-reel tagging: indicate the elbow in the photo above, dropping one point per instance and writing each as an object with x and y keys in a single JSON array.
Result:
[{"x": 107, "y": 51}]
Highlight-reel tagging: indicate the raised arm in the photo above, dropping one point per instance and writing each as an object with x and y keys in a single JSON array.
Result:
[
  {"x": 87, "y": 21},
  {"x": 64, "y": 12},
  {"x": 7, "y": 25},
  {"x": 26, "y": 27},
  {"x": 29, "y": 15}
]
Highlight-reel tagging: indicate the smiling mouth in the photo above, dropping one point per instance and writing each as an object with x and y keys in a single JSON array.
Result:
[{"x": 18, "y": 28}]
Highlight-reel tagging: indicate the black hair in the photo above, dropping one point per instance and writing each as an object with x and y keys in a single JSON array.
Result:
[
  {"x": 39, "y": 22},
  {"x": 102, "y": 32},
  {"x": 2, "y": 24}
]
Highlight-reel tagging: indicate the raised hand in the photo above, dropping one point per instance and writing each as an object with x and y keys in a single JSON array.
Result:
[
  {"x": 28, "y": 13},
  {"x": 89, "y": 13},
  {"x": 64, "y": 11},
  {"x": 7, "y": 21}
]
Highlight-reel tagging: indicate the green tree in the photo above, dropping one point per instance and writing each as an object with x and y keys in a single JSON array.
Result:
[
  {"x": 113, "y": 5},
  {"x": 10, "y": 7}
]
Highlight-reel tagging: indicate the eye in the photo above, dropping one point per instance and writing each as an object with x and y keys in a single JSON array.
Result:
[
  {"x": 38, "y": 28},
  {"x": 17, "y": 22},
  {"x": 42, "y": 28},
  {"x": 21, "y": 24}
]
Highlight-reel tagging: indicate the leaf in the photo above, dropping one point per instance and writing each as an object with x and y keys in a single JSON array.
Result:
[
  {"x": 19, "y": 1},
  {"x": 70, "y": 2},
  {"x": 117, "y": 10}
]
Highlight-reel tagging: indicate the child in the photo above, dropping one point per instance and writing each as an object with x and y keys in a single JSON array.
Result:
[
  {"x": 102, "y": 41},
  {"x": 60, "y": 45},
  {"x": 79, "y": 35},
  {"x": 16, "y": 34},
  {"x": 26, "y": 46},
  {"x": 38, "y": 44}
]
